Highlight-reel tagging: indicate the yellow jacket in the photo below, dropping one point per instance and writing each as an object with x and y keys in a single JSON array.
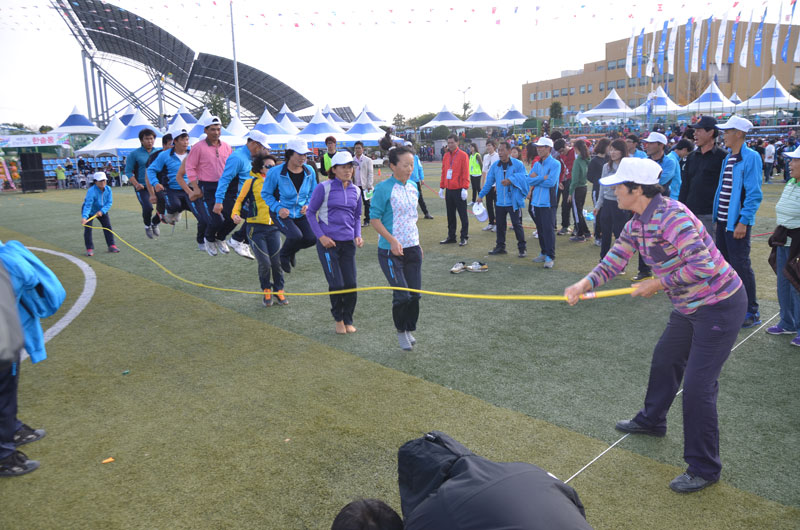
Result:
[{"x": 256, "y": 210}]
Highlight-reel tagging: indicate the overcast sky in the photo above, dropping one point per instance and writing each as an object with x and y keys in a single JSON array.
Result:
[{"x": 403, "y": 58}]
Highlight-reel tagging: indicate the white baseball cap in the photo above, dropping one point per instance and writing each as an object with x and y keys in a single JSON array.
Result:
[
  {"x": 637, "y": 170},
  {"x": 543, "y": 142},
  {"x": 298, "y": 145},
  {"x": 793, "y": 154},
  {"x": 259, "y": 137},
  {"x": 735, "y": 122},
  {"x": 213, "y": 120},
  {"x": 656, "y": 137},
  {"x": 341, "y": 158},
  {"x": 99, "y": 176}
]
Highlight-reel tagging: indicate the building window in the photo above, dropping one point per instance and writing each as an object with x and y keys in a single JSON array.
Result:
[
  {"x": 643, "y": 81},
  {"x": 556, "y": 93},
  {"x": 671, "y": 78},
  {"x": 621, "y": 83},
  {"x": 621, "y": 63},
  {"x": 601, "y": 87},
  {"x": 612, "y": 65},
  {"x": 572, "y": 108},
  {"x": 546, "y": 94},
  {"x": 582, "y": 89},
  {"x": 589, "y": 106},
  {"x": 589, "y": 89},
  {"x": 540, "y": 96},
  {"x": 723, "y": 74},
  {"x": 631, "y": 81},
  {"x": 632, "y": 102},
  {"x": 642, "y": 100},
  {"x": 572, "y": 91},
  {"x": 600, "y": 67},
  {"x": 583, "y": 107},
  {"x": 533, "y": 96}
]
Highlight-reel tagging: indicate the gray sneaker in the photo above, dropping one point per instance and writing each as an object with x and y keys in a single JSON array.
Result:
[
  {"x": 404, "y": 341},
  {"x": 156, "y": 230},
  {"x": 222, "y": 246},
  {"x": 411, "y": 338},
  {"x": 210, "y": 247},
  {"x": 540, "y": 258},
  {"x": 148, "y": 231}
]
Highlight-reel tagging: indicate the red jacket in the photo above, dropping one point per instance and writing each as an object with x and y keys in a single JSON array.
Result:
[{"x": 460, "y": 166}]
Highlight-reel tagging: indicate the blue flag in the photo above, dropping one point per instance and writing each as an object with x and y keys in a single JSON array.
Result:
[
  {"x": 704, "y": 59},
  {"x": 639, "y": 44},
  {"x": 661, "y": 47},
  {"x": 687, "y": 45},
  {"x": 732, "y": 48},
  {"x": 785, "y": 50},
  {"x": 758, "y": 39}
]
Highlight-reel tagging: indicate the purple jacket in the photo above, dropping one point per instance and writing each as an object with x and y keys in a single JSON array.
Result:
[{"x": 335, "y": 211}]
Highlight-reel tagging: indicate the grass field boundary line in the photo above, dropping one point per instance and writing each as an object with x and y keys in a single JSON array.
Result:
[
  {"x": 89, "y": 287},
  {"x": 595, "y": 459},
  {"x": 554, "y": 298}
]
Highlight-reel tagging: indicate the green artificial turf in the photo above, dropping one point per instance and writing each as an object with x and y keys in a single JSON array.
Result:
[{"x": 217, "y": 384}]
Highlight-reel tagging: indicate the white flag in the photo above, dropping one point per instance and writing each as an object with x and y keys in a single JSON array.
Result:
[
  {"x": 629, "y": 56},
  {"x": 723, "y": 29},
  {"x": 651, "y": 57},
  {"x": 671, "y": 50},
  {"x": 746, "y": 45},
  {"x": 696, "y": 46},
  {"x": 774, "y": 47}
]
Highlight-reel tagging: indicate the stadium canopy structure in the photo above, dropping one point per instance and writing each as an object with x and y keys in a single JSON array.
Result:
[{"x": 177, "y": 75}]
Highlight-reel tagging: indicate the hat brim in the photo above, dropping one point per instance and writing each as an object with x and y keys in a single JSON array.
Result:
[
  {"x": 612, "y": 180},
  {"x": 792, "y": 154},
  {"x": 724, "y": 127}
]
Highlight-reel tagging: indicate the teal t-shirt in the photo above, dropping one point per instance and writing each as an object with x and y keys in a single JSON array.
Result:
[{"x": 395, "y": 204}]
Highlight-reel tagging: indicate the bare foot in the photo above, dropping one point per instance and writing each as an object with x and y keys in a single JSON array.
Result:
[
  {"x": 340, "y": 328},
  {"x": 350, "y": 328}
]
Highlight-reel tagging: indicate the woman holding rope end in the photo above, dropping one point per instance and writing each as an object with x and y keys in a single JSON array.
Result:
[
  {"x": 393, "y": 214},
  {"x": 709, "y": 307}
]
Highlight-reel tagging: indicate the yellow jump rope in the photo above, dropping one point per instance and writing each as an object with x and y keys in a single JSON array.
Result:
[{"x": 558, "y": 298}]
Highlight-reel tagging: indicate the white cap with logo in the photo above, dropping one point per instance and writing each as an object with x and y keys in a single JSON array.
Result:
[
  {"x": 99, "y": 176},
  {"x": 259, "y": 137},
  {"x": 341, "y": 158},
  {"x": 637, "y": 170},
  {"x": 543, "y": 142},
  {"x": 656, "y": 137},
  {"x": 298, "y": 145},
  {"x": 736, "y": 122}
]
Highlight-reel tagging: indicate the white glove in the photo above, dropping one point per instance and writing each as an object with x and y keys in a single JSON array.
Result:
[
  {"x": 441, "y": 193},
  {"x": 463, "y": 194}
]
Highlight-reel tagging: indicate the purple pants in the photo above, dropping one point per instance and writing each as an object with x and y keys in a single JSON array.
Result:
[{"x": 694, "y": 348}]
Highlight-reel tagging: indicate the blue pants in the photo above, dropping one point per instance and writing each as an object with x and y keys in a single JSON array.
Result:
[
  {"x": 693, "y": 348},
  {"x": 105, "y": 222},
  {"x": 737, "y": 253},
  {"x": 9, "y": 424},
  {"x": 178, "y": 201},
  {"x": 403, "y": 271},
  {"x": 545, "y": 219},
  {"x": 147, "y": 207},
  {"x": 298, "y": 235},
  {"x": 788, "y": 297},
  {"x": 265, "y": 240},
  {"x": 516, "y": 223},
  {"x": 339, "y": 266},
  {"x": 214, "y": 221}
]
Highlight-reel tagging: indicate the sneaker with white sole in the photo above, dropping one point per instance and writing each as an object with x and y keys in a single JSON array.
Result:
[
  {"x": 26, "y": 435},
  {"x": 16, "y": 464},
  {"x": 156, "y": 230},
  {"x": 243, "y": 249},
  {"x": 411, "y": 338},
  {"x": 458, "y": 267},
  {"x": 535, "y": 234},
  {"x": 549, "y": 262},
  {"x": 148, "y": 231},
  {"x": 404, "y": 341},
  {"x": 222, "y": 246},
  {"x": 478, "y": 266},
  {"x": 210, "y": 247},
  {"x": 487, "y": 228},
  {"x": 541, "y": 258}
]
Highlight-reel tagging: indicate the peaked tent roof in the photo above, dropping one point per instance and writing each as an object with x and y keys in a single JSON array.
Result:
[
  {"x": 136, "y": 123},
  {"x": 268, "y": 125},
  {"x": 481, "y": 119},
  {"x": 659, "y": 105},
  {"x": 771, "y": 96},
  {"x": 711, "y": 100},
  {"x": 611, "y": 107},
  {"x": 333, "y": 117},
  {"x": 376, "y": 120},
  {"x": 320, "y": 128},
  {"x": 735, "y": 99},
  {"x": 446, "y": 118},
  {"x": 512, "y": 117},
  {"x": 183, "y": 113},
  {"x": 287, "y": 124},
  {"x": 107, "y": 141},
  {"x": 236, "y": 127},
  {"x": 127, "y": 114},
  {"x": 294, "y": 119},
  {"x": 366, "y": 131},
  {"x": 76, "y": 123}
]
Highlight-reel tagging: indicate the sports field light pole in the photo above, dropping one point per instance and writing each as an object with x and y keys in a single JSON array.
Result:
[{"x": 235, "y": 65}]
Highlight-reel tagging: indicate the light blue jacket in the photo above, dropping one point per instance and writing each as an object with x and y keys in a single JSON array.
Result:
[
  {"x": 169, "y": 160},
  {"x": 238, "y": 165},
  {"x": 418, "y": 175},
  {"x": 746, "y": 191},
  {"x": 508, "y": 196},
  {"x": 97, "y": 201},
  {"x": 670, "y": 174},
  {"x": 38, "y": 291},
  {"x": 547, "y": 175},
  {"x": 288, "y": 196}
]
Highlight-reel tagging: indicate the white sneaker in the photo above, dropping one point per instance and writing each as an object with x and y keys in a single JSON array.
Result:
[
  {"x": 201, "y": 246},
  {"x": 494, "y": 228},
  {"x": 222, "y": 246},
  {"x": 148, "y": 231},
  {"x": 242, "y": 249},
  {"x": 487, "y": 228},
  {"x": 210, "y": 247},
  {"x": 156, "y": 230},
  {"x": 535, "y": 234}
]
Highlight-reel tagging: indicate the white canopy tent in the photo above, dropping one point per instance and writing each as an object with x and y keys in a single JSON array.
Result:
[
  {"x": 128, "y": 140},
  {"x": 183, "y": 113},
  {"x": 658, "y": 104},
  {"x": 335, "y": 118},
  {"x": 107, "y": 142},
  {"x": 76, "y": 123},
  {"x": 611, "y": 107},
  {"x": 481, "y": 119},
  {"x": 735, "y": 99},
  {"x": 376, "y": 120},
  {"x": 288, "y": 126},
  {"x": 771, "y": 96},
  {"x": 512, "y": 117},
  {"x": 366, "y": 131},
  {"x": 267, "y": 124},
  {"x": 127, "y": 114},
  {"x": 300, "y": 124},
  {"x": 236, "y": 127},
  {"x": 711, "y": 101},
  {"x": 320, "y": 128},
  {"x": 446, "y": 118}
]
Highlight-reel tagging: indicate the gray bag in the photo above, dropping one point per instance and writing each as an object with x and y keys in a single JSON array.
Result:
[{"x": 12, "y": 338}]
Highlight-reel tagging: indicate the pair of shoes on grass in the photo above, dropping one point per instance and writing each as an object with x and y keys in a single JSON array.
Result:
[
  {"x": 406, "y": 340},
  {"x": 475, "y": 266}
]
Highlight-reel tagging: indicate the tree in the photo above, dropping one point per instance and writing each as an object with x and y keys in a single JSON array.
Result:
[
  {"x": 440, "y": 133},
  {"x": 556, "y": 110},
  {"x": 532, "y": 124},
  {"x": 420, "y": 120},
  {"x": 467, "y": 110},
  {"x": 45, "y": 129},
  {"x": 218, "y": 107},
  {"x": 477, "y": 132},
  {"x": 794, "y": 90},
  {"x": 399, "y": 121}
]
